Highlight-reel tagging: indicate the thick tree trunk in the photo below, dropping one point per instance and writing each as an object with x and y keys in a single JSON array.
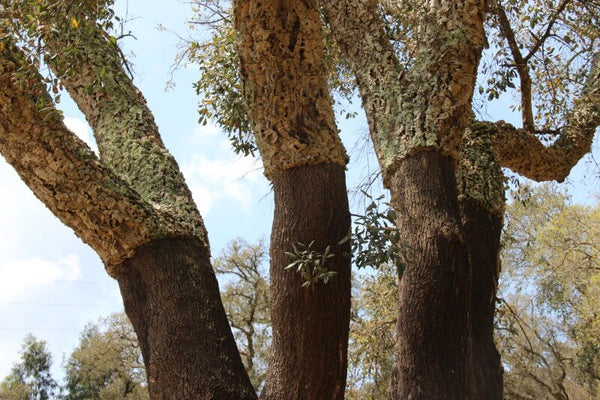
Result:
[
  {"x": 172, "y": 298},
  {"x": 432, "y": 330},
  {"x": 310, "y": 325},
  {"x": 482, "y": 232}
]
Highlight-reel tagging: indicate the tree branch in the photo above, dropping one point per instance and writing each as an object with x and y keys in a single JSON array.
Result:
[
  {"x": 540, "y": 41},
  {"x": 522, "y": 151},
  {"x": 124, "y": 127},
  {"x": 63, "y": 172},
  {"x": 427, "y": 106},
  {"x": 359, "y": 34},
  {"x": 521, "y": 65}
]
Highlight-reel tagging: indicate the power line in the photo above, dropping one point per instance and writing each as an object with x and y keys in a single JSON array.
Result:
[
  {"x": 15, "y": 303},
  {"x": 85, "y": 282},
  {"x": 41, "y": 329}
]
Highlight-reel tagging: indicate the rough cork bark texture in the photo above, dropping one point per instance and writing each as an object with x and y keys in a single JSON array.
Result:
[
  {"x": 169, "y": 289},
  {"x": 123, "y": 126},
  {"x": 479, "y": 176},
  {"x": 172, "y": 297},
  {"x": 285, "y": 86},
  {"x": 310, "y": 327},
  {"x": 521, "y": 151},
  {"x": 426, "y": 107},
  {"x": 64, "y": 173}
]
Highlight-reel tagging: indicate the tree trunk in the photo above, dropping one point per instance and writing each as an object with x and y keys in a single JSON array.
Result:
[
  {"x": 432, "y": 330},
  {"x": 310, "y": 325},
  {"x": 172, "y": 298},
  {"x": 482, "y": 231}
]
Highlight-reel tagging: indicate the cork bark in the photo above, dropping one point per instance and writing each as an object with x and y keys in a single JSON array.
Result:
[
  {"x": 285, "y": 86},
  {"x": 482, "y": 203},
  {"x": 308, "y": 357},
  {"x": 427, "y": 106},
  {"x": 171, "y": 295},
  {"x": 521, "y": 151},
  {"x": 432, "y": 331},
  {"x": 280, "y": 46},
  {"x": 127, "y": 136},
  {"x": 64, "y": 173}
]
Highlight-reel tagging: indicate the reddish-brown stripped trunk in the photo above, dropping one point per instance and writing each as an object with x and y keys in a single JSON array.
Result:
[
  {"x": 310, "y": 325},
  {"x": 434, "y": 290},
  {"x": 172, "y": 298}
]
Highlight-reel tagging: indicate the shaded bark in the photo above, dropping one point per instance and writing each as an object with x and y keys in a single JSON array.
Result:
[
  {"x": 310, "y": 326},
  {"x": 432, "y": 329},
  {"x": 481, "y": 189},
  {"x": 482, "y": 231},
  {"x": 172, "y": 298}
]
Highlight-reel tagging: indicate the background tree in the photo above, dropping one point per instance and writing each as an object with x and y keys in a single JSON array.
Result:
[
  {"x": 548, "y": 321},
  {"x": 372, "y": 335},
  {"x": 107, "y": 364},
  {"x": 245, "y": 292},
  {"x": 30, "y": 379}
]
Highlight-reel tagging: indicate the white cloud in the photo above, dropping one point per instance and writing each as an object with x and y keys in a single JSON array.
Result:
[
  {"x": 82, "y": 130},
  {"x": 21, "y": 277},
  {"x": 216, "y": 174}
]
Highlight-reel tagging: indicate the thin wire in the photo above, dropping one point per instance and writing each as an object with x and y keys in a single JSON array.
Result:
[{"x": 15, "y": 303}]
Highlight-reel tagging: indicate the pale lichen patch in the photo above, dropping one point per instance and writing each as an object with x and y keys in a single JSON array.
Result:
[
  {"x": 428, "y": 106},
  {"x": 109, "y": 207},
  {"x": 479, "y": 175}
]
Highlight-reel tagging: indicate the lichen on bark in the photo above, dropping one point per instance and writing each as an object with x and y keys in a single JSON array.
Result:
[
  {"x": 124, "y": 127},
  {"x": 427, "y": 106},
  {"x": 285, "y": 84},
  {"x": 64, "y": 173},
  {"x": 523, "y": 152},
  {"x": 479, "y": 176}
]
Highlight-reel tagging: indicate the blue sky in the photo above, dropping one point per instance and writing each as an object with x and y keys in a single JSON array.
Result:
[{"x": 51, "y": 284}]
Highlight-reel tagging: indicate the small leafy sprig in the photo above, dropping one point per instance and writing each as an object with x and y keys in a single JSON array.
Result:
[
  {"x": 376, "y": 240},
  {"x": 310, "y": 264}
]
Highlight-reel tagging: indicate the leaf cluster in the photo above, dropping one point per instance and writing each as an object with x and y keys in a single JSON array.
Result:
[
  {"x": 71, "y": 26},
  {"x": 375, "y": 237},
  {"x": 548, "y": 324},
  {"x": 551, "y": 44},
  {"x": 310, "y": 264}
]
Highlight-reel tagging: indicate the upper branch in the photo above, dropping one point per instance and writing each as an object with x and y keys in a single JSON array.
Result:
[
  {"x": 540, "y": 41},
  {"x": 128, "y": 139},
  {"x": 359, "y": 33},
  {"x": 63, "y": 172},
  {"x": 521, "y": 65},
  {"x": 427, "y": 106},
  {"x": 522, "y": 151}
]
